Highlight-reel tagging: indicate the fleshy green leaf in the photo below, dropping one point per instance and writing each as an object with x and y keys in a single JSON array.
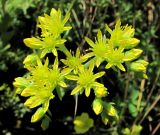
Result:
[
  {"x": 60, "y": 92},
  {"x": 126, "y": 131},
  {"x": 45, "y": 122},
  {"x": 133, "y": 110},
  {"x": 136, "y": 129},
  {"x": 82, "y": 123},
  {"x": 104, "y": 117}
]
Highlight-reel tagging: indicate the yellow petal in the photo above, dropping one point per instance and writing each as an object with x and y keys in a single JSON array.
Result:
[
  {"x": 38, "y": 115},
  {"x": 33, "y": 42},
  {"x": 76, "y": 90}
]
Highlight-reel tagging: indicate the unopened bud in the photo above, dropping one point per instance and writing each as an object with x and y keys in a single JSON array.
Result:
[
  {"x": 101, "y": 92},
  {"x": 132, "y": 54},
  {"x": 97, "y": 106},
  {"x": 139, "y": 66}
]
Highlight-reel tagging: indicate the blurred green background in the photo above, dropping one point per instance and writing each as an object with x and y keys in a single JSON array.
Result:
[{"x": 18, "y": 20}]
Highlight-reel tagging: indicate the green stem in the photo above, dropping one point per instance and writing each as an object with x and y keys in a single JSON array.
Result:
[{"x": 76, "y": 104}]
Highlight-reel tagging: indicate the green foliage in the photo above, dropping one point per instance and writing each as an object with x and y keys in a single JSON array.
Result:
[
  {"x": 134, "y": 94},
  {"x": 82, "y": 123},
  {"x": 136, "y": 129},
  {"x": 45, "y": 122},
  {"x": 10, "y": 10},
  {"x": 12, "y": 6},
  {"x": 9, "y": 99}
]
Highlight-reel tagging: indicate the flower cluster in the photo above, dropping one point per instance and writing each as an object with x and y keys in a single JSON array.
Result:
[
  {"x": 40, "y": 83},
  {"x": 39, "y": 86},
  {"x": 51, "y": 26},
  {"x": 116, "y": 50}
]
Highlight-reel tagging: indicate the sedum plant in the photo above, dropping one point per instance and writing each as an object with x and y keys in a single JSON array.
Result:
[{"x": 43, "y": 81}]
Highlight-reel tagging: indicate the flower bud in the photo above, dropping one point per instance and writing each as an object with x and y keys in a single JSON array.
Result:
[
  {"x": 132, "y": 54},
  {"x": 111, "y": 111},
  {"x": 139, "y": 66},
  {"x": 100, "y": 92},
  {"x": 130, "y": 43},
  {"x": 105, "y": 120},
  {"x": 145, "y": 63},
  {"x": 97, "y": 106}
]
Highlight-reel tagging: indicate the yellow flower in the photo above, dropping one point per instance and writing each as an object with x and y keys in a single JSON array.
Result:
[
  {"x": 86, "y": 80},
  {"x": 50, "y": 39},
  {"x": 122, "y": 36},
  {"x": 99, "y": 48},
  {"x": 112, "y": 50},
  {"x": 53, "y": 24},
  {"x": 46, "y": 44},
  {"x": 75, "y": 62},
  {"x": 39, "y": 86},
  {"x": 115, "y": 57}
]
